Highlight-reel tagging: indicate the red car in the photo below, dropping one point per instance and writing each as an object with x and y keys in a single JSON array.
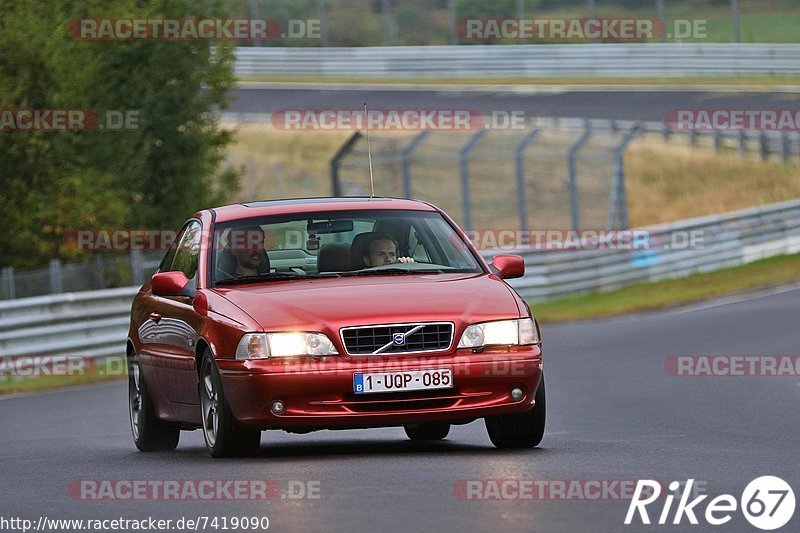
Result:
[{"x": 331, "y": 313}]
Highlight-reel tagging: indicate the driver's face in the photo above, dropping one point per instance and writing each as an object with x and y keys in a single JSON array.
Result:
[
  {"x": 247, "y": 246},
  {"x": 381, "y": 252},
  {"x": 248, "y": 259}
]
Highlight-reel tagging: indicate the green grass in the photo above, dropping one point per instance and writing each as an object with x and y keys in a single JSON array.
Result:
[
  {"x": 760, "y": 21},
  {"x": 755, "y": 28},
  {"x": 108, "y": 371},
  {"x": 672, "y": 293}
]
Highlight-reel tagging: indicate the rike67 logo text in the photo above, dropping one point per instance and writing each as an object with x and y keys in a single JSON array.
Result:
[{"x": 767, "y": 503}]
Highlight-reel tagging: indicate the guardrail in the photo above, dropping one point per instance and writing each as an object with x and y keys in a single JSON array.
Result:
[
  {"x": 95, "y": 323},
  {"x": 523, "y": 61},
  {"x": 88, "y": 324},
  {"x": 728, "y": 240}
]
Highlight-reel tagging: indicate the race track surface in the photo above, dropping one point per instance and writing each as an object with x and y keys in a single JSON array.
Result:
[
  {"x": 613, "y": 103},
  {"x": 614, "y": 413}
]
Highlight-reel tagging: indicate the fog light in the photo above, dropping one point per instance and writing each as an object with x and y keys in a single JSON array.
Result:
[
  {"x": 516, "y": 394},
  {"x": 278, "y": 407}
]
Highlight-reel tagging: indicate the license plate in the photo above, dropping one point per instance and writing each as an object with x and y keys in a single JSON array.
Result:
[{"x": 439, "y": 378}]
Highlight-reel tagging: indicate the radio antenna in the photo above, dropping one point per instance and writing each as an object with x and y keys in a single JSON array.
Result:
[{"x": 369, "y": 153}]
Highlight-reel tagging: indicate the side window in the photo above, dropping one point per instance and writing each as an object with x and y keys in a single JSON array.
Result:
[
  {"x": 169, "y": 257},
  {"x": 188, "y": 251}
]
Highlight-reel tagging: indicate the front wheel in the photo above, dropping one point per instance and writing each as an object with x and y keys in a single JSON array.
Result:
[
  {"x": 427, "y": 431},
  {"x": 519, "y": 430},
  {"x": 149, "y": 433},
  {"x": 224, "y": 435}
]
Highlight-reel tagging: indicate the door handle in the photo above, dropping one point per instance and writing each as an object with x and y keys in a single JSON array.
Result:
[{"x": 155, "y": 317}]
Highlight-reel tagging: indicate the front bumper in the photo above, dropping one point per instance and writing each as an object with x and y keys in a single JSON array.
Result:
[{"x": 318, "y": 393}]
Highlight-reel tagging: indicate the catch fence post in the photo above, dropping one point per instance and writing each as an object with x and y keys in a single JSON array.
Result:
[
  {"x": 618, "y": 204},
  {"x": 56, "y": 277},
  {"x": 8, "y": 283},
  {"x": 573, "y": 176},
  {"x": 519, "y": 156},
  {"x": 463, "y": 161},
  {"x": 336, "y": 162},
  {"x": 406, "y": 155}
]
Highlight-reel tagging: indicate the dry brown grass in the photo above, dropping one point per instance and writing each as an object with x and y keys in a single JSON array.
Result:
[
  {"x": 665, "y": 181},
  {"x": 282, "y": 164}
]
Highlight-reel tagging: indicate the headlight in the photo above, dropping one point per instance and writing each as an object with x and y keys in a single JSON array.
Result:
[
  {"x": 264, "y": 345},
  {"x": 500, "y": 332}
]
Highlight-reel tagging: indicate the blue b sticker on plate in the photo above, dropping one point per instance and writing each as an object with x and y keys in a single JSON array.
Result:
[{"x": 358, "y": 382}]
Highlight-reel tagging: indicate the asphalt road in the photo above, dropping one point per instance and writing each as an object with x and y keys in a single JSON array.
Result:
[
  {"x": 616, "y": 103},
  {"x": 614, "y": 414}
]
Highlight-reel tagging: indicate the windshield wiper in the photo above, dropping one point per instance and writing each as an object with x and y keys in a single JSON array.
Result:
[
  {"x": 273, "y": 276},
  {"x": 393, "y": 271}
]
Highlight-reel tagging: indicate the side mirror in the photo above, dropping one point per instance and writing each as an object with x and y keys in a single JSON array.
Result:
[
  {"x": 509, "y": 266},
  {"x": 169, "y": 284}
]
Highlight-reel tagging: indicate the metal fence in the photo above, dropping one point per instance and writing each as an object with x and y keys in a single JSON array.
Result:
[
  {"x": 783, "y": 146},
  {"x": 768, "y": 144},
  {"x": 523, "y": 61},
  {"x": 95, "y": 323},
  {"x": 551, "y": 175},
  {"x": 102, "y": 271},
  {"x": 555, "y": 174}
]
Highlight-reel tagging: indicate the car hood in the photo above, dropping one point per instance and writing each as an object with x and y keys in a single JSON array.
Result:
[{"x": 327, "y": 304}]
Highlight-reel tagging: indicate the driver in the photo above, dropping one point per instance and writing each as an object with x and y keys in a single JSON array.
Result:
[
  {"x": 247, "y": 247},
  {"x": 381, "y": 249}
]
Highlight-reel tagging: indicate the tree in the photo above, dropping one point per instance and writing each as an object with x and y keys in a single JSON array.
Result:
[{"x": 153, "y": 176}]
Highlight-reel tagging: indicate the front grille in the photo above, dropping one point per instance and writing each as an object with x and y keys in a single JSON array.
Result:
[{"x": 372, "y": 340}]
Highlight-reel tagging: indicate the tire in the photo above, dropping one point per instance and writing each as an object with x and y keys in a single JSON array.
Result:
[
  {"x": 519, "y": 430},
  {"x": 149, "y": 433},
  {"x": 223, "y": 434},
  {"x": 421, "y": 432}
]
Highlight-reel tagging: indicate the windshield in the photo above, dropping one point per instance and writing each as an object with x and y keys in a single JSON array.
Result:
[{"x": 348, "y": 243}]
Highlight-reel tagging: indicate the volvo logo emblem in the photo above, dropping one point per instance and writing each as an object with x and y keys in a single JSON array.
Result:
[{"x": 399, "y": 339}]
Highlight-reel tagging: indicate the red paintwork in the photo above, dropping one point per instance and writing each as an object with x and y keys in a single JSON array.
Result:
[
  {"x": 509, "y": 266},
  {"x": 168, "y": 283},
  {"x": 318, "y": 392}
]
